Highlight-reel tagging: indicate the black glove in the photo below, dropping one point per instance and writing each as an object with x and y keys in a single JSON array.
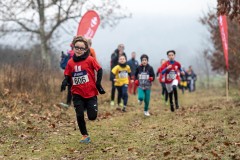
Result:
[
  {"x": 100, "y": 89},
  {"x": 64, "y": 84}
]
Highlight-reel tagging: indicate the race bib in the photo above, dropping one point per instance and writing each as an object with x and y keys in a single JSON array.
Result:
[
  {"x": 144, "y": 76},
  {"x": 171, "y": 75},
  {"x": 123, "y": 74},
  {"x": 80, "y": 77}
]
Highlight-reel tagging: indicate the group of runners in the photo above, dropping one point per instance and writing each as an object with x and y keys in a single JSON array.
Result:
[{"x": 126, "y": 76}]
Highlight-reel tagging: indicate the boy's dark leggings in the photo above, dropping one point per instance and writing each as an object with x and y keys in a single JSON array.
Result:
[
  {"x": 175, "y": 95},
  {"x": 88, "y": 104},
  {"x": 164, "y": 91},
  {"x": 122, "y": 94}
]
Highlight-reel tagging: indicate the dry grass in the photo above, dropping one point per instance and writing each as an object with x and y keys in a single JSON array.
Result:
[{"x": 205, "y": 127}]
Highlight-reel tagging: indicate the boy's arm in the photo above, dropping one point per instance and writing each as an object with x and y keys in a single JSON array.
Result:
[
  {"x": 164, "y": 68},
  {"x": 99, "y": 76},
  {"x": 136, "y": 74},
  {"x": 180, "y": 69},
  {"x": 157, "y": 73},
  {"x": 98, "y": 82},
  {"x": 114, "y": 72},
  {"x": 136, "y": 78},
  {"x": 152, "y": 73},
  {"x": 130, "y": 74},
  {"x": 67, "y": 78}
]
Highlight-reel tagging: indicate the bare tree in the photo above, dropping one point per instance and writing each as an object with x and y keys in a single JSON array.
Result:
[
  {"x": 41, "y": 18},
  {"x": 203, "y": 66},
  {"x": 230, "y": 8},
  {"x": 216, "y": 56}
]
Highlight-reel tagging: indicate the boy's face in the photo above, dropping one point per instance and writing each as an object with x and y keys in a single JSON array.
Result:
[
  {"x": 79, "y": 48},
  {"x": 122, "y": 60},
  {"x": 144, "y": 61},
  {"x": 171, "y": 56}
]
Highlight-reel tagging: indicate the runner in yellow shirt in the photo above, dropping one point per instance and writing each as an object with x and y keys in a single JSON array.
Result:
[{"x": 121, "y": 72}]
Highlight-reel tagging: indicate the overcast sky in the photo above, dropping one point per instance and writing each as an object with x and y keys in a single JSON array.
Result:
[{"x": 155, "y": 27}]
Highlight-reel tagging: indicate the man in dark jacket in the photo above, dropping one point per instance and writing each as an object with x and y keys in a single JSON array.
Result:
[
  {"x": 133, "y": 63},
  {"x": 114, "y": 61}
]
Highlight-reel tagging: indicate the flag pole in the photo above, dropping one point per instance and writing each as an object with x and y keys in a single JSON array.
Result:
[{"x": 227, "y": 84}]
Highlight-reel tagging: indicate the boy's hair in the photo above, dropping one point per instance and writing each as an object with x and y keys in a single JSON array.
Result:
[
  {"x": 90, "y": 42},
  {"x": 144, "y": 56},
  {"x": 122, "y": 56},
  {"x": 171, "y": 51},
  {"x": 80, "y": 39}
]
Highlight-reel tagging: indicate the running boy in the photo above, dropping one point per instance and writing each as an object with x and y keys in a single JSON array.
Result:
[
  {"x": 121, "y": 73},
  {"x": 162, "y": 81},
  {"x": 171, "y": 69},
  {"x": 144, "y": 77},
  {"x": 80, "y": 73}
]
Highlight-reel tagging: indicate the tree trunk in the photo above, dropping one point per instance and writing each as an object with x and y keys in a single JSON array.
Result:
[
  {"x": 43, "y": 38},
  {"x": 46, "y": 61}
]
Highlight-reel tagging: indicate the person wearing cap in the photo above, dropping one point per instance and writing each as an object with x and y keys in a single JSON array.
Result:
[
  {"x": 171, "y": 68},
  {"x": 144, "y": 76}
]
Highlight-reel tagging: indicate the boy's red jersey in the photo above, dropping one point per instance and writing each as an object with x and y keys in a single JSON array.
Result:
[
  {"x": 172, "y": 73},
  {"x": 83, "y": 76}
]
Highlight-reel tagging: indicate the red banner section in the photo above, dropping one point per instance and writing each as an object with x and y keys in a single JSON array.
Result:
[
  {"x": 222, "y": 20},
  {"x": 88, "y": 25}
]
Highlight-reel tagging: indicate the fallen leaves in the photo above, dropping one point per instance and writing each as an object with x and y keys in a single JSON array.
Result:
[
  {"x": 107, "y": 149},
  {"x": 166, "y": 153},
  {"x": 214, "y": 153},
  {"x": 193, "y": 132},
  {"x": 191, "y": 137},
  {"x": 237, "y": 144},
  {"x": 162, "y": 136}
]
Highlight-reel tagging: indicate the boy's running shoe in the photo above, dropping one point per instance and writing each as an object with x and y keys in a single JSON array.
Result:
[
  {"x": 121, "y": 104},
  {"x": 146, "y": 113},
  {"x": 177, "y": 106},
  {"x": 112, "y": 103},
  {"x": 124, "y": 109},
  {"x": 64, "y": 105},
  {"x": 85, "y": 139},
  {"x": 139, "y": 102}
]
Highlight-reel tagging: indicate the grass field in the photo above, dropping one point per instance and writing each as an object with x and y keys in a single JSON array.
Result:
[{"x": 205, "y": 127}]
